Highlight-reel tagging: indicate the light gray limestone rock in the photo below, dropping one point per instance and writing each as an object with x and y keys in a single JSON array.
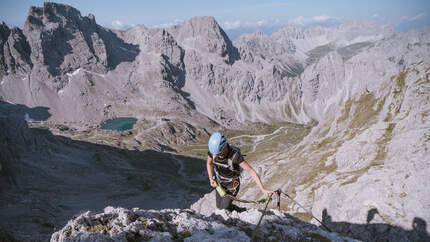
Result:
[
  {"x": 363, "y": 168},
  {"x": 119, "y": 224}
]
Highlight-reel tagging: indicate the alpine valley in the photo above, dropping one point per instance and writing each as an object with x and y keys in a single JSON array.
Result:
[{"x": 336, "y": 117}]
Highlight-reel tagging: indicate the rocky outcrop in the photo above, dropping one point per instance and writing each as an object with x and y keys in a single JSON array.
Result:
[
  {"x": 14, "y": 51},
  {"x": 119, "y": 224}
]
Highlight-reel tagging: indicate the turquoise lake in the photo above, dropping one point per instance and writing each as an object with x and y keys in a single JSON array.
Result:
[{"x": 119, "y": 124}]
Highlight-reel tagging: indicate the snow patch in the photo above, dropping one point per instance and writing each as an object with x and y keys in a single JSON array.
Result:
[
  {"x": 95, "y": 73},
  {"x": 73, "y": 73}
]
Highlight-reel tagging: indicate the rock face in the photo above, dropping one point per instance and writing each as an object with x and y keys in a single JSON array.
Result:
[
  {"x": 365, "y": 164},
  {"x": 204, "y": 35},
  {"x": 381, "y": 160},
  {"x": 119, "y": 224},
  {"x": 14, "y": 51},
  {"x": 365, "y": 231},
  {"x": 62, "y": 41},
  {"x": 292, "y": 75},
  {"x": 8, "y": 156}
]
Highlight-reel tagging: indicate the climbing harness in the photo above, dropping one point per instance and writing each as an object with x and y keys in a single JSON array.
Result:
[
  {"x": 235, "y": 185},
  {"x": 235, "y": 173},
  {"x": 266, "y": 200},
  {"x": 221, "y": 190},
  {"x": 235, "y": 170}
]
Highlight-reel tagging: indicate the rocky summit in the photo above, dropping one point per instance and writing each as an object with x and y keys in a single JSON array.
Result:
[{"x": 336, "y": 117}]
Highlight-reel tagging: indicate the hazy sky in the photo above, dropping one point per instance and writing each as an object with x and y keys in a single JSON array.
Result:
[{"x": 235, "y": 15}]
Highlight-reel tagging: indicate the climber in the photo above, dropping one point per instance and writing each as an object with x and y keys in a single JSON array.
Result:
[{"x": 227, "y": 162}]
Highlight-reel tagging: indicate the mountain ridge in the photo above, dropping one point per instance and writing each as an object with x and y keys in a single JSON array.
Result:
[
  {"x": 360, "y": 86},
  {"x": 195, "y": 59}
]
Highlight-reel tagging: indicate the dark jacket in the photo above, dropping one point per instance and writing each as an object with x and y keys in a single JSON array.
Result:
[{"x": 227, "y": 169}]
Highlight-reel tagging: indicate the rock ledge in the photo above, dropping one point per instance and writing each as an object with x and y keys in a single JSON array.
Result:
[{"x": 120, "y": 224}]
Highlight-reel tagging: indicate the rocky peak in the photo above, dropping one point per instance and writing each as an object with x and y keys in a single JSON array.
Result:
[
  {"x": 62, "y": 41},
  {"x": 204, "y": 25},
  {"x": 292, "y": 32},
  {"x": 205, "y": 35},
  {"x": 91, "y": 17},
  {"x": 134, "y": 34},
  {"x": 4, "y": 32},
  {"x": 54, "y": 13},
  {"x": 266, "y": 46},
  {"x": 365, "y": 29},
  {"x": 14, "y": 51}
]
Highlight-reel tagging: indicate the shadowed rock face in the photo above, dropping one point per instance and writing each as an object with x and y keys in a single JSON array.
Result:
[
  {"x": 46, "y": 178},
  {"x": 14, "y": 51}
]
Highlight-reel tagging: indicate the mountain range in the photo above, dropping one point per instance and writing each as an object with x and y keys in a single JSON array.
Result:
[{"x": 350, "y": 105}]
